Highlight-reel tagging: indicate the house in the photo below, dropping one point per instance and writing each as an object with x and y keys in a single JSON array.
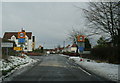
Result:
[
  {"x": 58, "y": 50},
  {"x": 29, "y": 40},
  {"x": 50, "y": 51},
  {"x": 73, "y": 48},
  {"x": 66, "y": 49}
]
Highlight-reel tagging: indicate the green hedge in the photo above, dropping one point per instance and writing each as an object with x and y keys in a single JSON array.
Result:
[{"x": 109, "y": 54}]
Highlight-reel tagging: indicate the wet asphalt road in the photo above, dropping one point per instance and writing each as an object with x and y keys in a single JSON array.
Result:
[{"x": 56, "y": 68}]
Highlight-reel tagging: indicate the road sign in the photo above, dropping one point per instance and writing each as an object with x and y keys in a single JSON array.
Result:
[
  {"x": 21, "y": 40},
  {"x": 18, "y": 48},
  {"x": 81, "y": 48},
  {"x": 6, "y": 44},
  {"x": 21, "y": 34},
  {"x": 81, "y": 38},
  {"x": 81, "y": 44}
]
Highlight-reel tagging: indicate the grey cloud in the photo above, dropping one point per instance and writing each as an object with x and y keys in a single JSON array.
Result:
[{"x": 48, "y": 21}]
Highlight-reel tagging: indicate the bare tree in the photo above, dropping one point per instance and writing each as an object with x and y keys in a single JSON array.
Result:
[
  {"x": 104, "y": 16},
  {"x": 73, "y": 37},
  {"x": 74, "y": 33}
]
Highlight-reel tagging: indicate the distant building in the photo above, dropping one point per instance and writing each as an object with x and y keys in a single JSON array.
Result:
[
  {"x": 33, "y": 42},
  {"x": 73, "y": 48},
  {"x": 29, "y": 40},
  {"x": 67, "y": 49},
  {"x": 50, "y": 51},
  {"x": 40, "y": 47},
  {"x": 70, "y": 48}
]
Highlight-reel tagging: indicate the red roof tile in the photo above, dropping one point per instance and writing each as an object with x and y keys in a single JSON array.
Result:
[
  {"x": 68, "y": 46},
  {"x": 74, "y": 45}
]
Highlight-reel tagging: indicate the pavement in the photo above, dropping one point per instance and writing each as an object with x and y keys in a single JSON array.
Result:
[{"x": 54, "y": 67}]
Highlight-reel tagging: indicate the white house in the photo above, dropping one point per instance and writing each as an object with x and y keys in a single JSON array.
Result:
[
  {"x": 70, "y": 48},
  {"x": 66, "y": 49},
  {"x": 29, "y": 40},
  {"x": 73, "y": 48}
]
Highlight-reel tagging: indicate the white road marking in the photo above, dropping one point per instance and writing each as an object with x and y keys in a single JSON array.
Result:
[
  {"x": 79, "y": 68},
  {"x": 84, "y": 71}
]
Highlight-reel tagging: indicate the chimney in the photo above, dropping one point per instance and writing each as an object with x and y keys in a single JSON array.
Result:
[{"x": 22, "y": 30}]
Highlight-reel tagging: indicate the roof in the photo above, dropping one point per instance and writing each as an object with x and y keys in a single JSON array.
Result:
[
  {"x": 8, "y": 35},
  {"x": 74, "y": 45},
  {"x": 60, "y": 48},
  {"x": 68, "y": 46}
]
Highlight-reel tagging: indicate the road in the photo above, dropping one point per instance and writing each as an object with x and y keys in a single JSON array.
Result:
[{"x": 56, "y": 68}]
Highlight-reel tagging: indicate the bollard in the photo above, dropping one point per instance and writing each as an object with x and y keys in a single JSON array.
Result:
[{"x": 81, "y": 59}]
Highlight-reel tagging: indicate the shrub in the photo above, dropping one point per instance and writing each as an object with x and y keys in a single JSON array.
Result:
[{"x": 105, "y": 53}]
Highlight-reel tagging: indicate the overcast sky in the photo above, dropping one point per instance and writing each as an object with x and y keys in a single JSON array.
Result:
[{"x": 50, "y": 22}]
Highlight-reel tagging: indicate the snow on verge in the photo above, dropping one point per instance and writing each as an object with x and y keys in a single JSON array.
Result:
[
  {"x": 15, "y": 62},
  {"x": 109, "y": 71}
]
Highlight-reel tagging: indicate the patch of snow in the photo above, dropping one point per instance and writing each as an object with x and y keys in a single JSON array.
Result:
[
  {"x": 109, "y": 71},
  {"x": 63, "y": 55},
  {"x": 15, "y": 61}
]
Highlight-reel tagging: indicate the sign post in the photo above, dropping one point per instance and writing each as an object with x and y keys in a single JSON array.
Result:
[
  {"x": 81, "y": 43},
  {"x": 7, "y": 45},
  {"x": 21, "y": 40},
  {"x": 21, "y": 34},
  {"x": 17, "y": 48}
]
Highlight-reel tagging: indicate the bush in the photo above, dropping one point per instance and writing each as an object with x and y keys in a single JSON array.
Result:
[{"x": 105, "y": 53}]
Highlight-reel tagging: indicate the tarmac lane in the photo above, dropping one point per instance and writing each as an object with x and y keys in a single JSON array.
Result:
[{"x": 56, "y": 68}]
